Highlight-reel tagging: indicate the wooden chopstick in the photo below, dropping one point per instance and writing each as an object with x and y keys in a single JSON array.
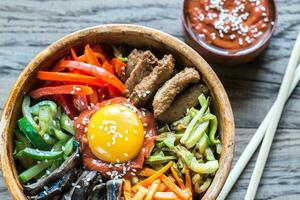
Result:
[
  {"x": 271, "y": 130},
  {"x": 254, "y": 142}
]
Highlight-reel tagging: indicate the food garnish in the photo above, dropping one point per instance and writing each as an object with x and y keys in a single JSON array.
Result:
[{"x": 88, "y": 134}]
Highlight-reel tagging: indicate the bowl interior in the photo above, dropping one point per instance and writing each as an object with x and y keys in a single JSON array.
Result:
[{"x": 135, "y": 36}]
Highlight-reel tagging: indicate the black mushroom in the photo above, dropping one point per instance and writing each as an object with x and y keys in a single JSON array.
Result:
[
  {"x": 58, "y": 187},
  {"x": 72, "y": 163},
  {"x": 85, "y": 185},
  {"x": 166, "y": 94},
  {"x": 182, "y": 102},
  {"x": 144, "y": 65},
  {"x": 114, "y": 189},
  {"x": 144, "y": 91},
  {"x": 98, "y": 192}
]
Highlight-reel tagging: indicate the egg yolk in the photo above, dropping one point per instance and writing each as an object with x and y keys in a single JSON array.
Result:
[{"x": 115, "y": 133}]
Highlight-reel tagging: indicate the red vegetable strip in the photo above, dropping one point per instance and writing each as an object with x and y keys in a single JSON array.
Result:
[
  {"x": 81, "y": 103},
  {"x": 113, "y": 92},
  {"x": 90, "y": 56},
  {"x": 70, "y": 77},
  {"x": 96, "y": 71},
  {"x": 73, "y": 54},
  {"x": 100, "y": 53},
  {"x": 82, "y": 58},
  {"x": 107, "y": 66},
  {"x": 64, "y": 89},
  {"x": 63, "y": 101},
  {"x": 118, "y": 65},
  {"x": 93, "y": 98}
]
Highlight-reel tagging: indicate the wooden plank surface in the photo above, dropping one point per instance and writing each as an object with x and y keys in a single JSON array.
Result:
[{"x": 28, "y": 26}]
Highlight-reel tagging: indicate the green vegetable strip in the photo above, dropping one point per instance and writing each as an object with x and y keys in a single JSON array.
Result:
[
  {"x": 204, "y": 104},
  {"x": 218, "y": 148},
  {"x": 36, "y": 108},
  {"x": 33, "y": 171},
  {"x": 196, "y": 135},
  {"x": 67, "y": 124},
  {"x": 169, "y": 141},
  {"x": 209, "y": 154},
  {"x": 40, "y": 155},
  {"x": 189, "y": 159},
  {"x": 203, "y": 143},
  {"x": 68, "y": 148},
  {"x": 44, "y": 117},
  {"x": 22, "y": 138},
  {"x": 49, "y": 140},
  {"x": 213, "y": 130},
  {"x": 27, "y": 112},
  {"x": 183, "y": 122},
  {"x": 205, "y": 185},
  {"x": 204, "y": 168},
  {"x": 60, "y": 135},
  {"x": 33, "y": 136},
  {"x": 25, "y": 162}
]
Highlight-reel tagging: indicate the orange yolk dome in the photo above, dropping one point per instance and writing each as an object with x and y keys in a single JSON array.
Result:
[{"x": 115, "y": 134}]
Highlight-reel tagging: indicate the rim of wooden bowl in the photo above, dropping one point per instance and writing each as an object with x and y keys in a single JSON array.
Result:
[{"x": 215, "y": 86}]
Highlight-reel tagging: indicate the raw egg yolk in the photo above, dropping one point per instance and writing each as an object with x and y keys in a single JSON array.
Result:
[{"x": 115, "y": 133}]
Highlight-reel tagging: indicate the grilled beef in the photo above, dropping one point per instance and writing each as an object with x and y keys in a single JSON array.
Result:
[
  {"x": 144, "y": 64},
  {"x": 166, "y": 94},
  {"x": 183, "y": 101},
  {"x": 145, "y": 90}
]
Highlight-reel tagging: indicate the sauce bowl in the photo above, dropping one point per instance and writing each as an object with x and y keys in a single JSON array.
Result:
[{"x": 221, "y": 55}]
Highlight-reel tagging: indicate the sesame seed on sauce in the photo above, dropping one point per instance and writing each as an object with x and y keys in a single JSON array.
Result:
[{"x": 229, "y": 24}]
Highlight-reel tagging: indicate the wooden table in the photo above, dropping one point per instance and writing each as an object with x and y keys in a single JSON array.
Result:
[{"x": 27, "y": 27}]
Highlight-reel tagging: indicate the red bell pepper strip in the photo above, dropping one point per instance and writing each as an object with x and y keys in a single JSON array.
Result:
[
  {"x": 107, "y": 66},
  {"x": 64, "y": 89},
  {"x": 90, "y": 56},
  {"x": 64, "y": 102},
  {"x": 100, "y": 53},
  {"x": 119, "y": 66},
  {"x": 80, "y": 102},
  {"x": 113, "y": 92},
  {"x": 73, "y": 54},
  {"x": 93, "y": 98},
  {"x": 96, "y": 71},
  {"x": 69, "y": 77}
]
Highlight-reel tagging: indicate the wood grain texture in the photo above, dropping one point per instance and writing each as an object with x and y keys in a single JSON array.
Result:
[{"x": 28, "y": 26}]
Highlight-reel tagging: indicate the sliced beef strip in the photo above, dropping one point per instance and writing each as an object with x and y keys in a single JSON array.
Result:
[
  {"x": 142, "y": 69},
  {"x": 145, "y": 90},
  {"x": 166, "y": 94},
  {"x": 133, "y": 58},
  {"x": 183, "y": 101}
]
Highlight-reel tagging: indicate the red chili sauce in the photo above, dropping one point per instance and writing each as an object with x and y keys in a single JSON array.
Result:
[
  {"x": 115, "y": 170},
  {"x": 229, "y": 24}
]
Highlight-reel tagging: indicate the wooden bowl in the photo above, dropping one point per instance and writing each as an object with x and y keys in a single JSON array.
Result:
[
  {"x": 118, "y": 34},
  {"x": 222, "y": 56}
]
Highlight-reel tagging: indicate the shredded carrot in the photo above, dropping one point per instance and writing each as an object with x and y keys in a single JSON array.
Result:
[
  {"x": 82, "y": 58},
  {"x": 147, "y": 172},
  {"x": 162, "y": 187},
  {"x": 140, "y": 194},
  {"x": 127, "y": 190},
  {"x": 178, "y": 179},
  {"x": 73, "y": 54},
  {"x": 91, "y": 57},
  {"x": 188, "y": 181},
  {"x": 165, "y": 196},
  {"x": 179, "y": 192},
  {"x": 100, "y": 53},
  {"x": 106, "y": 65},
  {"x": 146, "y": 182},
  {"x": 152, "y": 189}
]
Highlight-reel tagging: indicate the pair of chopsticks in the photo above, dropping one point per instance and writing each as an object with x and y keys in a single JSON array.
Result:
[{"x": 265, "y": 131}]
